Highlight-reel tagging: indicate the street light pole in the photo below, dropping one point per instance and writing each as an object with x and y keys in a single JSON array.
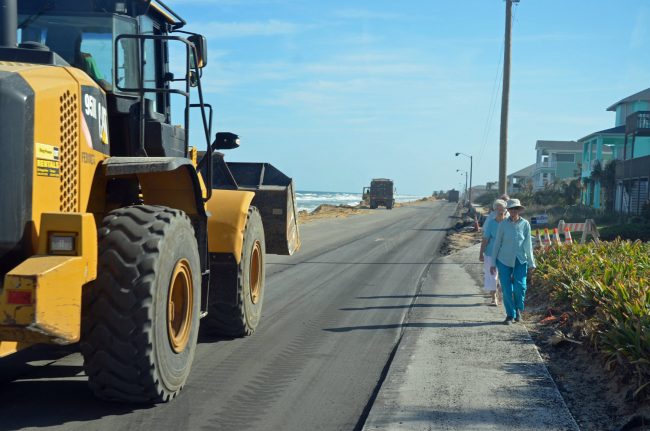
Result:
[
  {"x": 471, "y": 169},
  {"x": 464, "y": 173}
]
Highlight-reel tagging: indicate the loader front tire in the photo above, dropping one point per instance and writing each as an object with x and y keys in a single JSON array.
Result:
[
  {"x": 237, "y": 289},
  {"x": 140, "y": 316}
]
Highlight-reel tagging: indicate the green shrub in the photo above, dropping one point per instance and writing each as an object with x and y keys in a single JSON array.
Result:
[
  {"x": 628, "y": 231},
  {"x": 606, "y": 286},
  {"x": 548, "y": 197}
]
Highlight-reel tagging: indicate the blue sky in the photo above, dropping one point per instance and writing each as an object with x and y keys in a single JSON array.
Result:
[{"x": 335, "y": 92}]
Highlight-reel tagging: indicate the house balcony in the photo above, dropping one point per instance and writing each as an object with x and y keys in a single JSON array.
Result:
[
  {"x": 545, "y": 167},
  {"x": 633, "y": 168},
  {"x": 638, "y": 123}
]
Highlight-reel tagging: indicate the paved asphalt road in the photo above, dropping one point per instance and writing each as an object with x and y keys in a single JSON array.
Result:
[{"x": 333, "y": 314}]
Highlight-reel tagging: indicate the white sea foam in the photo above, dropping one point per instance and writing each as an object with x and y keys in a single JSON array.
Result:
[{"x": 309, "y": 201}]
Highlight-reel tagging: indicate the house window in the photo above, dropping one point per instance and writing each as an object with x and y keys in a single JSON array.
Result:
[{"x": 571, "y": 158}]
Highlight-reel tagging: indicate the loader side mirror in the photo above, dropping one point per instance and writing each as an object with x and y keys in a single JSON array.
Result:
[
  {"x": 225, "y": 141},
  {"x": 201, "y": 45}
]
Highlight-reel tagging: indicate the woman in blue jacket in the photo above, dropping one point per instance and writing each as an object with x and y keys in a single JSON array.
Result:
[{"x": 513, "y": 251}]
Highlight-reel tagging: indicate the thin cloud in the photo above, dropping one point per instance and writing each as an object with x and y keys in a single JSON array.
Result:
[
  {"x": 251, "y": 29},
  {"x": 218, "y": 3},
  {"x": 365, "y": 14},
  {"x": 639, "y": 34}
]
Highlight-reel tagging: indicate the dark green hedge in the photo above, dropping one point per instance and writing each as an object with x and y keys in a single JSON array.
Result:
[{"x": 632, "y": 232}]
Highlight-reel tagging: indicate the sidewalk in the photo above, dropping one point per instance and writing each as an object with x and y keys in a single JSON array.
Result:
[{"x": 458, "y": 368}]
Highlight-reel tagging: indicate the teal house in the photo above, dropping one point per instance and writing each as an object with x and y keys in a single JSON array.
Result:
[
  {"x": 556, "y": 161},
  {"x": 626, "y": 141}
]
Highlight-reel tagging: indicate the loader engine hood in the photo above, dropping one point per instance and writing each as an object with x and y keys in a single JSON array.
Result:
[{"x": 16, "y": 165}]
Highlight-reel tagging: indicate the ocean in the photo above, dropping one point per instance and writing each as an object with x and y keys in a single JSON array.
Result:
[{"x": 309, "y": 201}]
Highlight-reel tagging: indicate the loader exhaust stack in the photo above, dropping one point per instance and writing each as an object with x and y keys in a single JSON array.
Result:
[{"x": 8, "y": 23}]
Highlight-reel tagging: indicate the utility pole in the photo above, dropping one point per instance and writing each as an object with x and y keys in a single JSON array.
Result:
[
  {"x": 471, "y": 169},
  {"x": 505, "y": 100}
]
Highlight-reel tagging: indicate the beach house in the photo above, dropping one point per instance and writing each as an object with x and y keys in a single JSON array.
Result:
[
  {"x": 624, "y": 185},
  {"x": 518, "y": 180},
  {"x": 556, "y": 160}
]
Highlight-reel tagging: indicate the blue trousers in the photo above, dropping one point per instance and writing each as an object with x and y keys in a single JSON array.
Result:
[{"x": 513, "y": 286}]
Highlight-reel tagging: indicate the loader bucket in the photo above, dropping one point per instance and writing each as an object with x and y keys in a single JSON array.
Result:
[{"x": 276, "y": 202}]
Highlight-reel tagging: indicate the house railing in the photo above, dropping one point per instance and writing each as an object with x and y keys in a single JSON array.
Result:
[
  {"x": 544, "y": 165},
  {"x": 633, "y": 168},
  {"x": 638, "y": 123}
]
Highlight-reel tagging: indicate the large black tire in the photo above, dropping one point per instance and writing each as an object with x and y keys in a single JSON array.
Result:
[
  {"x": 237, "y": 290},
  {"x": 140, "y": 316}
]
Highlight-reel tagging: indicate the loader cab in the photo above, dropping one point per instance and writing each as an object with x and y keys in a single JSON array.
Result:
[{"x": 124, "y": 46}]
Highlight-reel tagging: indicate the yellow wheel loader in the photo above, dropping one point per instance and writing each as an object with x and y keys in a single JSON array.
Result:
[{"x": 115, "y": 232}]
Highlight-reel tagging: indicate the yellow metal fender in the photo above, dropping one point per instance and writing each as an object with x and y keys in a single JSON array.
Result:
[
  {"x": 41, "y": 298},
  {"x": 228, "y": 211}
]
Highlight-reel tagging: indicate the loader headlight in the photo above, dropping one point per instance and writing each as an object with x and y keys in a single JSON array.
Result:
[{"x": 62, "y": 243}]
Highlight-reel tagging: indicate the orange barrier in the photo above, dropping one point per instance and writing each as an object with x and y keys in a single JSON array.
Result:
[
  {"x": 556, "y": 236},
  {"x": 588, "y": 228},
  {"x": 567, "y": 236}
]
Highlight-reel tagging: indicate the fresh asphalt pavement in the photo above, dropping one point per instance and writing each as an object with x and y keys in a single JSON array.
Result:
[{"x": 333, "y": 316}]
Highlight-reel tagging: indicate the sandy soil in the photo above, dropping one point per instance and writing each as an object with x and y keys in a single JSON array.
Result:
[
  {"x": 598, "y": 399},
  {"x": 341, "y": 211}
]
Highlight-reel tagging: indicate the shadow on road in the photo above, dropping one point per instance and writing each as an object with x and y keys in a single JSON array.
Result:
[
  {"x": 395, "y": 307},
  {"x": 412, "y": 325},
  {"x": 373, "y": 263},
  {"x": 421, "y": 295},
  {"x": 38, "y": 391},
  {"x": 38, "y": 403},
  {"x": 49, "y": 394}
]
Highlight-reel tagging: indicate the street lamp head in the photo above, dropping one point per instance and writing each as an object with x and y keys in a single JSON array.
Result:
[{"x": 457, "y": 154}]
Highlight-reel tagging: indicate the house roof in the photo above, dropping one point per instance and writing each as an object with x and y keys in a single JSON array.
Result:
[
  {"x": 641, "y": 95},
  {"x": 525, "y": 172},
  {"x": 559, "y": 146},
  {"x": 620, "y": 130}
]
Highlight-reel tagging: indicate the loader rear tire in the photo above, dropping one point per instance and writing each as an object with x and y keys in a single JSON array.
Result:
[
  {"x": 237, "y": 290},
  {"x": 140, "y": 316}
]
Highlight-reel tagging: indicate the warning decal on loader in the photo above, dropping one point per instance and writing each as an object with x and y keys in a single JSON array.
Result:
[{"x": 47, "y": 168}]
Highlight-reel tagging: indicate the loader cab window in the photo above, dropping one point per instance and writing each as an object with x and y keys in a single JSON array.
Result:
[
  {"x": 87, "y": 43},
  {"x": 152, "y": 57}
]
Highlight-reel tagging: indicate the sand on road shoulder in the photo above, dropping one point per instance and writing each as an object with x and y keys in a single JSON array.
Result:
[{"x": 341, "y": 211}]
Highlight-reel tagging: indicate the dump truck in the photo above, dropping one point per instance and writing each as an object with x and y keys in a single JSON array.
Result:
[
  {"x": 115, "y": 232},
  {"x": 453, "y": 195},
  {"x": 380, "y": 193}
]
